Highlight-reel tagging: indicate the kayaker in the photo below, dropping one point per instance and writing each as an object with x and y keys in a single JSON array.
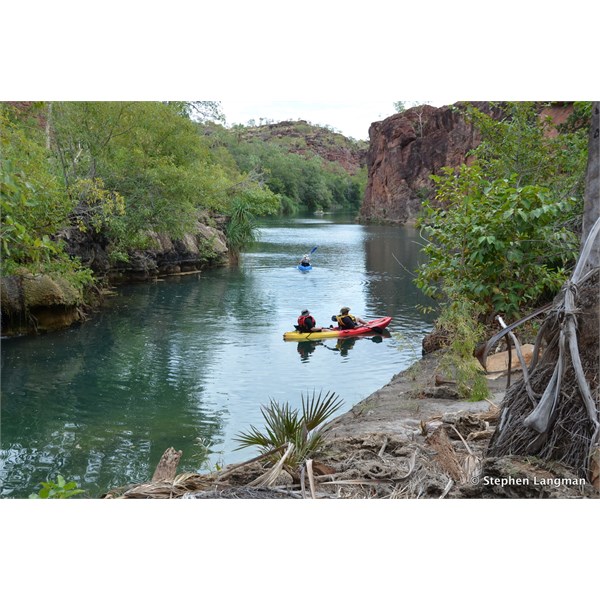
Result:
[
  {"x": 307, "y": 323},
  {"x": 305, "y": 262},
  {"x": 346, "y": 320}
]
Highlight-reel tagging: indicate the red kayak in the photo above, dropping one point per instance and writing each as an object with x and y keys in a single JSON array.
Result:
[{"x": 376, "y": 326}]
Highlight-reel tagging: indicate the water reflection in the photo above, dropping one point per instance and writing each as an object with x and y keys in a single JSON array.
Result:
[
  {"x": 196, "y": 357},
  {"x": 342, "y": 345},
  {"x": 101, "y": 402},
  {"x": 305, "y": 349}
]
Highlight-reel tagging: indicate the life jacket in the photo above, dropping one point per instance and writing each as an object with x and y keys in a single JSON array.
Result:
[
  {"x": 306, "y": 323},
  {"x": 341, "y": 323}
]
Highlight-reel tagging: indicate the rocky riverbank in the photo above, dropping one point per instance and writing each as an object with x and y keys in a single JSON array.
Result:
[
  {"x": 417, "y": 440},
  {"x": 32, "y": 304},
  {"x": 413, "y": 438}
]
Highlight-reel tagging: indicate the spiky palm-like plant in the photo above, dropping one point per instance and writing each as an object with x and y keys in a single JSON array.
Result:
[
  {"x": 285, "y": 424},
  {"x": 241, "y": 229}
]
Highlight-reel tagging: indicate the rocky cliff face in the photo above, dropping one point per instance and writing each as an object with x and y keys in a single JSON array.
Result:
[
  {"x": 407, "y": 148},
  {"x": 204, "y": 247}
]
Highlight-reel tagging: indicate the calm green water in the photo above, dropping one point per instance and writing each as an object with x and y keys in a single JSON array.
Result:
[{"x": 188, "y": 361}]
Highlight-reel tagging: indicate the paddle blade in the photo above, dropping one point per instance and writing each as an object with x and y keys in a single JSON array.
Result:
[{"x": 313, "y": 249}]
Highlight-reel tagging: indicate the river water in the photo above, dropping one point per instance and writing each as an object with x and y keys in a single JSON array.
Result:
[{"x": 188, "y": 361}]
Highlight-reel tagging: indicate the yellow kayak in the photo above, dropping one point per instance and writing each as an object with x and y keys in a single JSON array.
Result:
[{"x": 375, "y": 326}]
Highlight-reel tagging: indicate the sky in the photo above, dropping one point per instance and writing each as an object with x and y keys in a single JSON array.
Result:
[{"x": 351, "y": 119}]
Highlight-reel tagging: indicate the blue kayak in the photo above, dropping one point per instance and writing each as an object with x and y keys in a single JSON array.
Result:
[{"x": 302, "y": 268}]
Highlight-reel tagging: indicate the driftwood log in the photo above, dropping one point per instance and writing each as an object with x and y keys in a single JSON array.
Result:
[{"x": 166, "y": 470}]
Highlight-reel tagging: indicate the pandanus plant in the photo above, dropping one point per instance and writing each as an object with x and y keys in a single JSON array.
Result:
[{"x": 285, "y": 425}]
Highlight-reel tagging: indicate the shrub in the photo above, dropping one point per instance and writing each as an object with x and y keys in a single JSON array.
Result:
[{"x": 58, "y": 489}]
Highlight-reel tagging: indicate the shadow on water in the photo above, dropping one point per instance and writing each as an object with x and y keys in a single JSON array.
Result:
[{"x": 341, "y": 345}]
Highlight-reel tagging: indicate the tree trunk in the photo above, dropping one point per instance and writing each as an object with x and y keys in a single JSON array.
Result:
[
  {"x": 554, "y": 411},
  {"x": 591, "y": 211}
]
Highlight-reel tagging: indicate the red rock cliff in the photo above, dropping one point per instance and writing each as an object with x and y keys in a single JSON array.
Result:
[{"x": 407, "y": 148}]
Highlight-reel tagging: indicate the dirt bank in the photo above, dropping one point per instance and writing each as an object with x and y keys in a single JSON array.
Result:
[{"x": 414, "y": 439}]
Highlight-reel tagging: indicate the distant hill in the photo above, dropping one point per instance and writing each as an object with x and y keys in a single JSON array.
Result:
[{"x": 300, "y": 137}]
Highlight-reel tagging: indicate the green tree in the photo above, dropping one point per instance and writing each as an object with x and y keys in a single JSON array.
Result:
[
  {"x": 124, "y": 169},
  {"x": 300, "y": 177},
  {"x": 495, "y": 243},
  {"x": 503, "y": 231},
  {"x": 155, "y": 157},
  {"x": 531, "y": 149},
  {"x": 146, "y": 152},
  {"x": 34, "y": 205}
]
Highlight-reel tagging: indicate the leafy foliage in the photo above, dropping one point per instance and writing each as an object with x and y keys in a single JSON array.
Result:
[
  {"x": 459, "y": 320},
  {"x": 58, "y": 489},
  {"x": 531, "y": 150},
  {"x": 33, "y": 203},
  {"x": 284, "y": 424},
  {"x": 495, "y": 243},
  {"x": 123, "y": 169},
  {"x": 289, "y": 168},
  {"x": 502, "y": 231}
]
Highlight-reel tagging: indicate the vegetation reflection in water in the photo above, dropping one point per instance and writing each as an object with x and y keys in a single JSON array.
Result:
[{"x": 188, "y": 362}]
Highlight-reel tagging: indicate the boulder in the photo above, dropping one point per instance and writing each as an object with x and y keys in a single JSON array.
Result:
[{"x": 38, "y": 303}]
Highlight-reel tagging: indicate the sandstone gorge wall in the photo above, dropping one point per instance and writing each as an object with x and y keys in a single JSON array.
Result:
[
  {"x": 407, "y": 148},
  {"x": 205, "y": 247}
]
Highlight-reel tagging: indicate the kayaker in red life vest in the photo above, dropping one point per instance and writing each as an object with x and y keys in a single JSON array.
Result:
[
  {"x": 307, "y": 323},
  {"x": 347, "y": 321}
]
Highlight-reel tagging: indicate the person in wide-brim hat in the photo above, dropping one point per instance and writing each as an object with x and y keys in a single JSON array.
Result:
[{"x": 347, "y": 321}]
